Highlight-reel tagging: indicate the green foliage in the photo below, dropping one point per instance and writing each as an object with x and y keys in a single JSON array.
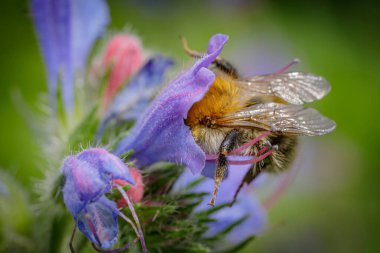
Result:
[{"x": 168, "y": 218}]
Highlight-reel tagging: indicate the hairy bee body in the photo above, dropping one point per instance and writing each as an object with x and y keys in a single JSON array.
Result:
[
  {"x": 224, "y": 97},
  {"x": 249, "y": 116}
]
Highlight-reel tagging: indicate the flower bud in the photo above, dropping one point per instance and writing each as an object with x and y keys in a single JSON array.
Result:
[
  {"x": 124, "y": 55},
  {"x": 88, "y": 178},
  {"x": 136, "y": 191}
]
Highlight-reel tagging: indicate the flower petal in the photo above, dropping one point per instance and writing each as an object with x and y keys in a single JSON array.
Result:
[
  {"x": 52, "y": 22},
  {"x": 132, "y": 101},
  {"x": 160, "y": 134},
  {"x": 228, "y": 187},
  {"x": 89, "y": 20},
  {"x": 109, "y": 166},
  {"x": 209, "y": 169},
  {"x": 66, "y": 30},
  {"x": 82, "y": 184},
  {"x": 88, "y": 176},
  {"x": 245, "y": 207},
  {"x": 98, "y": 222}
]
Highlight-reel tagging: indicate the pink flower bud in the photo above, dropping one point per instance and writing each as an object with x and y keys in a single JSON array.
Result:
[
  {"x": 125, "y": 56},
  {"x": 136, "y": 192}
]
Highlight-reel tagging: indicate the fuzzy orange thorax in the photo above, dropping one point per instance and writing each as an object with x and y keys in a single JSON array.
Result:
[{"x": 222, "y": 98}]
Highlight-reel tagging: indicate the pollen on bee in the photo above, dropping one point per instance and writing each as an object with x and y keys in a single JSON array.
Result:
[{"x": 221, "y": 98}]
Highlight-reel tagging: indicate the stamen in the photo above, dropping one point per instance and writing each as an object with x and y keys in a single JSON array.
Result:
[
  {"x": 252, "y": 161},
  {"x": 211, "y": 157},
  {"x": 288, "y": 66},
  {"x": 134, "y": 215},
  {"x": 72, "y": 250},
  {"x": 130, "y": 222},
  {"x": 261, "y": 151},
  {"x": 250, "y": 143},
  {"x": 272, "y": 199}
]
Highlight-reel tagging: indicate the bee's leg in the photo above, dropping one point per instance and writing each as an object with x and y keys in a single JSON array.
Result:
[
  {"x": 255, "y": 170},
  {"x": 227, "y": 145},
  {"x": 249, "y": 177}
]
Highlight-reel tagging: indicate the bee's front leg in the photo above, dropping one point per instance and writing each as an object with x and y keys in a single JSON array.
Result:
[
  {"x": 254, "y": 172},
  {"x": 228, "y": 144}
]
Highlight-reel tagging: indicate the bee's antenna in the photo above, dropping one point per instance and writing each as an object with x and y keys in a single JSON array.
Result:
[{"x": 188, "y": 51}]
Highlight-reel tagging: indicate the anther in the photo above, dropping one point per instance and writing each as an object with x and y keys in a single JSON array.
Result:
[{"x": 288, "y": 66}]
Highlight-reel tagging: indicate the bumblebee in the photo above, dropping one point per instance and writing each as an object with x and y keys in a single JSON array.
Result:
[{"x": 260, "y": 117}]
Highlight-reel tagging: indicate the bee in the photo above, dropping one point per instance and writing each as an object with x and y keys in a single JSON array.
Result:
[{"x": 260, "y": 116}]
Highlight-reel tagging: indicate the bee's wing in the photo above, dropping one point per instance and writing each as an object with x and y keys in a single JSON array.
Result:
[
  {"x": 290, "y": 119},
  {"x": 293, "y": 87}
]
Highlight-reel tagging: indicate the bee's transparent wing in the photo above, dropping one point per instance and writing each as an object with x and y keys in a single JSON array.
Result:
[
  {"x": 294, "y": 87},
  {"x": 290, "y": 119}
]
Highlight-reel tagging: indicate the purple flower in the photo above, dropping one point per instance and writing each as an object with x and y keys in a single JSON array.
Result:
[
  {"x": 66, "y": 30},
  {"x": 88, "y": 177},
  {"x": 160, "y": 134},
  {"x": 133, "y": 99},
  {"x": 246, "y": 207}
]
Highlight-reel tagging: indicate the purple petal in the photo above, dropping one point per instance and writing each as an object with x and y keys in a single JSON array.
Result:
[
  {"x": 66, "y": 30},
  {"x": 98, "y": 222},
  {"x": 160, "y": 134},
  {"x": 245, "y": 207},
  {"x": 89, "y": 20},
  {"x": 109, "y": 166},
  {"x": 52, "y": 22},
  {"x": 227, "y": 188},
  {"x": 216, "y": 42},
  {"x": 82, "y": 184},
  {"x": 132, "y": 101},
  {"x": 88, "y": 176},
  {"x": 209, "y": 169}
]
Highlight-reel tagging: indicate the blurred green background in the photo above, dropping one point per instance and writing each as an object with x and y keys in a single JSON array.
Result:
[{"x": 333, "y": 204}]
